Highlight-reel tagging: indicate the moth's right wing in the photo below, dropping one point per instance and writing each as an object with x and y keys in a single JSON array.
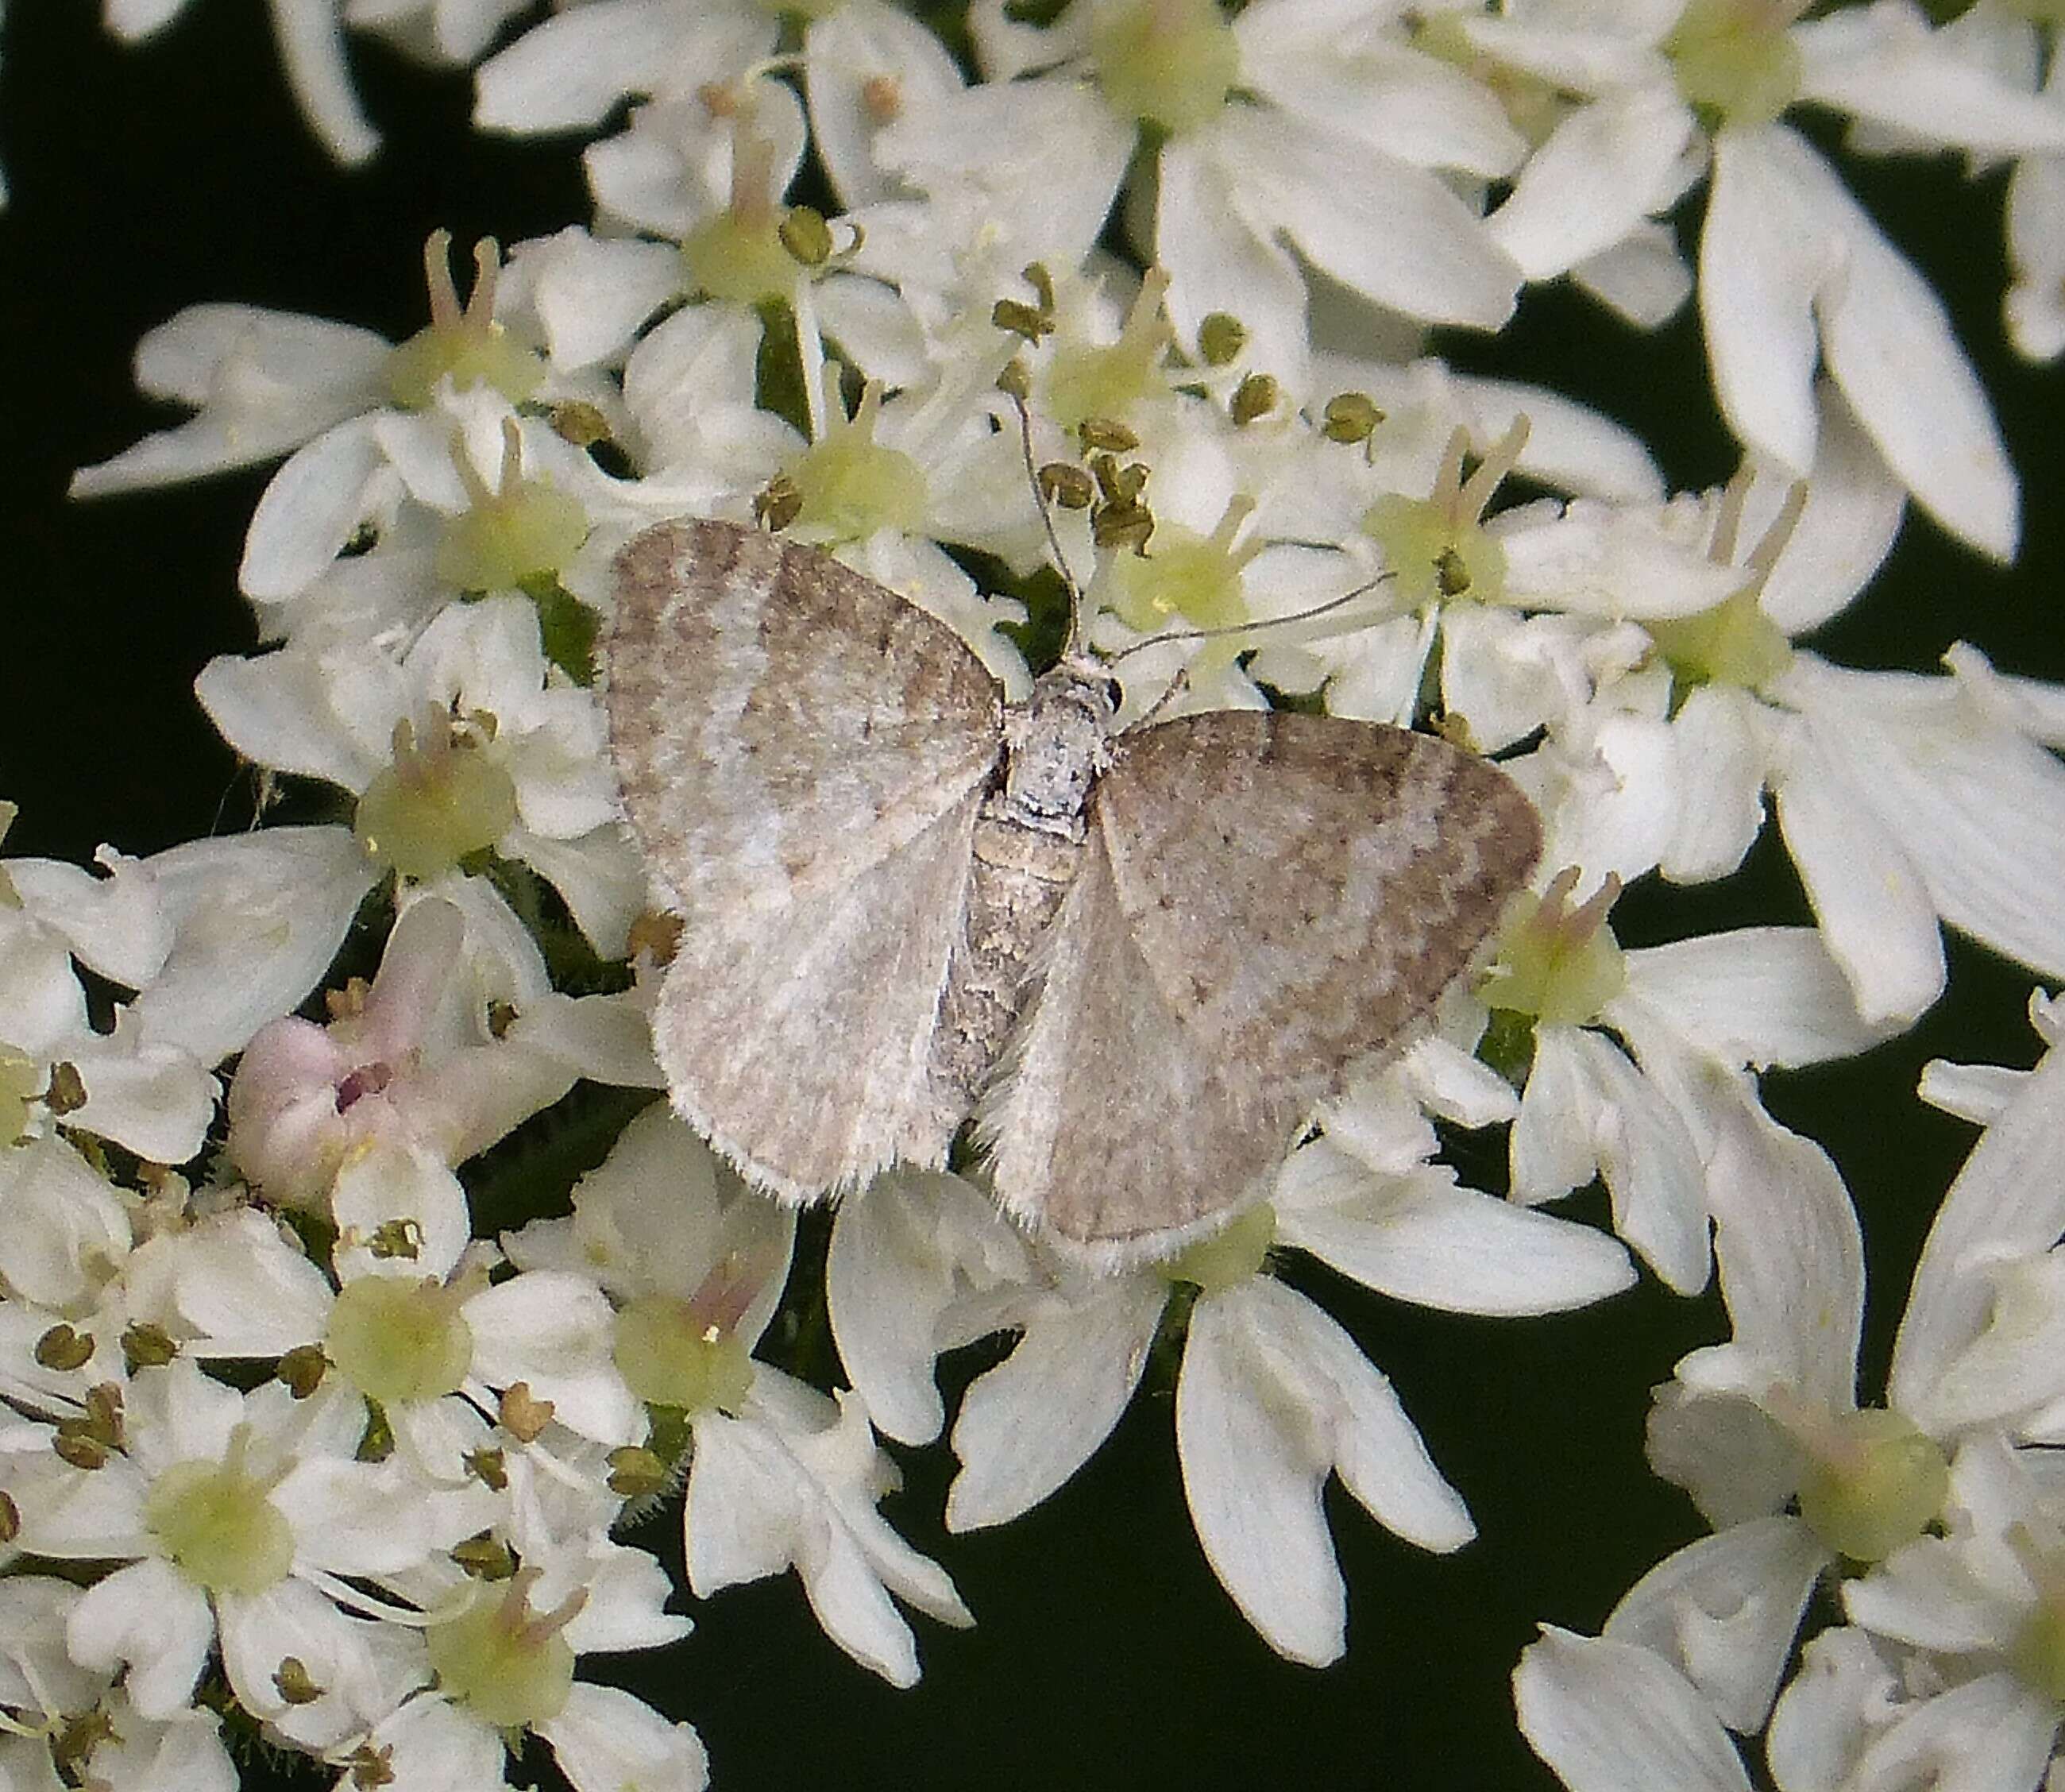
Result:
[
  {"x": 779, "y": 724},
  {"x": 1265, "y": 900}
]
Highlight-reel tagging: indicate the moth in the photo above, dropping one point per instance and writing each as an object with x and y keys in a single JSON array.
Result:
[{"x": 1136, "y": 958}]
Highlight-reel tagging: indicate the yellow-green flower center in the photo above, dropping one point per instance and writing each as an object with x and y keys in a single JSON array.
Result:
[
  {"x": 737, "y": 254},
  {"x": 1558, "y": 964},
  {"x": 740, "y": 257},
  {"x": 1435, "y": 556},
  {"x": 466, "y": 343},
  {"x": 1087, "y": 381},
  {"x": 1436, "y": 547},
  {"x": 523, "y": 530},
  {"x": 1168, "y": 63},
  {"x": 506, "y": 1666},
  {"x": 1228, "y": 1257},
  {"x": 1735, "y": 60},
  {"x": 851, "y": 486},
  {"x": 1875, "y": 1481},
  {"x": 1184, "y": 575},
  {"x": 1733, "y": 643},
  {"x": 671, "y": 1353},
  {"x": 219, "y": 1526},
  {"x": 436, "y": 803},
  {"x": 400, "y": 1337}
]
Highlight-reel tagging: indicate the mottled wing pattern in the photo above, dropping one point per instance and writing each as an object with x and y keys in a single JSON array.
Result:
[
  {"x": 797, "y": 1039},
  {"x": 779, "y": 722},
  {"x": 801, "y": 755},
  {"x": 1267, "y": 898}
]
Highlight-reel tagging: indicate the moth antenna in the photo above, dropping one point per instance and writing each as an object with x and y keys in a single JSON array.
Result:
[
  {"x": 1177, "y": 686},
  {"x": 1068, "y": 646},
  {"x": 1247, "y": 627}
]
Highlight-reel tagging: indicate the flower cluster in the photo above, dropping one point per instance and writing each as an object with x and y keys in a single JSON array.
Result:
[{"x": 331, "y": 1394}]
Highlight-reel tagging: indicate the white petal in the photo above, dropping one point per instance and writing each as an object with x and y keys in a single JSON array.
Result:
[
  {"x": 66, "y": 1230},
  {"x": 1763, "y": 257},
  {"x": 1330, "y": 68},
  {"x": 1272, "y": 1394},
  {"x": 1979, "y": 1093},
  {"x": 1941, "y": 769},
  {"x": 312, "y": 507},
  {"x": 2007, "y": 1202},
  {"x": 1551, "y": 1153},
  {"x": 1890, "y": 347},
  {"x": 796, "y": 1482},
  {"x": 350, "y": 1661},
  {"x": 1397, "y": 234},
  {"x": 1724, "y": 1612},
  {"x": 1253, "y": 1482},
  {"x": 244, "y": 1288},
  {"x": 1603, "y": 560},
  {"x": 1569, "y": 445},
  {"x": 591, "y": 294},
  {"x": 151, "y": 1617},
  {"x": 1028, "y": 1424},
  {"x": 863, "y": 60},
  {"x": 1992, "y": 1734},
  {"x": 607, "y": 1740},
  {"x": 1648, "y": 1162},
  {"x": 1874, "y": 913},
  {"x": 1754, "y": 996},
  {"x": 1837, "y": 1699},
  {"x": 1883, "y": 63},
  {"x": 264, "y": 382},
  {"x": 1721, "y": 767},
  {"x": 1791, "y": 1254},
  {"x": 310, "y": 34},
  {"x": 554, "y": 1331},
  {"x": 1216, "y": 262},
  {"x": 902, "y": 1256},
  {"x": 1423, "y": 1239},
  {"x": 1854, "y": 509},
  {"x": 1610, "y": 1717},
  {"x": 1642, "y": 277},
  {"x": 282, "y": 711},
  {"x": 1585, "y": 189},
  {"x": 568, "y": 72}
]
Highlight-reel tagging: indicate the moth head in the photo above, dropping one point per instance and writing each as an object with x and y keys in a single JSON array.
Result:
[{"x": 1057, "y": 742}]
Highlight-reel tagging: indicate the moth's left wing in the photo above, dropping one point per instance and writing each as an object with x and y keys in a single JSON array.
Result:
[{"x": 1267, "y": 898}]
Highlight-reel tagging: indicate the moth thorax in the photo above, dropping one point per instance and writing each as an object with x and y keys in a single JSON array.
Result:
[{"x": 1055, "y": 744}]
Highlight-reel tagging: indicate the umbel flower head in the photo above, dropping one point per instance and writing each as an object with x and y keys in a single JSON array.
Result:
[{"x": 362, "y": 1303}]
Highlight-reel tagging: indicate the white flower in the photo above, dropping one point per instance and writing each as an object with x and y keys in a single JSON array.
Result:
[
  {"x": 240, "y": 1516},
  {"x": 1971, "y": 1619},
  {"x": 472, "y": 740},
  {"x": 504, "y": 1664},
  {"x": 1273, "y": 1395},
  {"x": 1341, "y": 146},
  {"x": 411, "y": 1058},
  {"x": 1886, "y": 785},
  {"x": 1792, "y": 269},
  {"x": 147, "y": 1095},
  {"x": 779, "y": 1474}
]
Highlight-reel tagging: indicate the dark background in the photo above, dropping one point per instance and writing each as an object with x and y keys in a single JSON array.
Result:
[{"x": 1107, "y": 1657}]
